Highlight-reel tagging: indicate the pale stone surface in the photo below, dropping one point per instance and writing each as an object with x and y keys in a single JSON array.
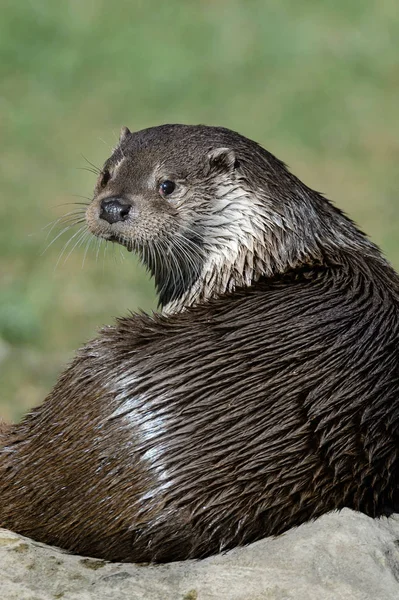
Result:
[{"x": 345, "y": 556}]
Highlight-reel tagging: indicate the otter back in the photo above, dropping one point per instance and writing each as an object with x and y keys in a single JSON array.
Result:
[{"x": 179, "y": 437}]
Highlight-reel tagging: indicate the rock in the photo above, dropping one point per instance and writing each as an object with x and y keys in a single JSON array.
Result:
[{"x": 341, "y": 556}]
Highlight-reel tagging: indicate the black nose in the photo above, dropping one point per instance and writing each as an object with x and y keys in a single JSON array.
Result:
[{"x": 114, "y": 210}]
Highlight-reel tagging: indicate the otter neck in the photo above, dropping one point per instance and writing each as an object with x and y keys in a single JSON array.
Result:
[
  {"x": 230, "y": 250},
  {"x": 217, "y": 276},
  {"x": 224, "y": 266},
  {"x": 248, "y": 240}
]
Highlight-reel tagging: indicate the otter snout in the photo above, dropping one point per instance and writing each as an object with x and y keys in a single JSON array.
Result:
[{"x": 114, "y": 210}]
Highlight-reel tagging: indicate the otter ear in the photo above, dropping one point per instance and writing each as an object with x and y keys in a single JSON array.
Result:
[
  {"x": 125, "y": 132},
  {"x": 222, "y": 160}
]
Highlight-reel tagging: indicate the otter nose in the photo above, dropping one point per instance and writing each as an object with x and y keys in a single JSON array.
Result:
[{"x": 114, "y": 210}]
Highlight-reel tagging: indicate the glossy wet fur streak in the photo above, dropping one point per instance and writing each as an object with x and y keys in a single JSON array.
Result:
[{"x": 184, "y": 434}]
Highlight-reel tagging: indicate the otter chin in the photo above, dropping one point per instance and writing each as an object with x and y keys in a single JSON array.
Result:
[{"x": 263, "y": 393}]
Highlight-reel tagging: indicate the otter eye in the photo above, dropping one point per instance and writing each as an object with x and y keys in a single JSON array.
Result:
[
  {"x": 105, "y": 177},
  {"x": 167, "y": 187}
]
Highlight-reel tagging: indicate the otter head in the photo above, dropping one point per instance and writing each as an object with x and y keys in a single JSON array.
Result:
[
  {"x": 174, "y": 195},
  {"x": 206, "y": 209}
]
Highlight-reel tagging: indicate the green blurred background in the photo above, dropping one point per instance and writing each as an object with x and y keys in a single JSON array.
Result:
[{"x": 316, "y": 82}]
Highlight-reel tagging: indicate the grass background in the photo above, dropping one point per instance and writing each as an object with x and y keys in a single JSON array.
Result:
[{"x": 315, "y": 81}]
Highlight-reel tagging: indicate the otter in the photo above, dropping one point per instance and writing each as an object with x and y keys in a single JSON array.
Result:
[{"x": 262, "y": 394}]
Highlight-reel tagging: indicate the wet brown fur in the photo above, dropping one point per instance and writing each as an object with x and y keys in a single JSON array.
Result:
[
  {"x": 4, "y": 429},
  {"x": 178, "y": 436}
]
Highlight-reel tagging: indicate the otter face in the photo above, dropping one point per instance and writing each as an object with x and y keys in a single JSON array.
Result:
[
  {"x": 170, "y": 193},
  {"x": 154, "y": 187}
]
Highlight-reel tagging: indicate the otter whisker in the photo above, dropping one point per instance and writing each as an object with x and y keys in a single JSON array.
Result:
[
  {"x": 189, "y": 250},
  {"x": 82, "y": 197},
  {"x": 90, "y": 239},
  {"x": 191, "y": 266},
  {"x": 76, "y": 244},
  {"x": 174, "y": 272},
  {"x": 78, "y": 232},
  {"x": 99, "y": 242},
  {"x": 195, "y": 232},
  {"x": 88, "y": 170},
  {"x": 68, "y": 216},
  {"x": 105, "y": 246},
  {"x": 113, "y": 252},
  {"x": 164, "y": 263},
  {"x": 69, "y": 226},
  {"x": 97, "y": 169},
  {"x": 182, "y": 253},
  {"x": 154, "y": 255},
  {"x": 74, "y": 204},
  {"x": 87, "y": 235},
  {"x": 193, "y": 246},
  {"x": 117, "y": 253}
]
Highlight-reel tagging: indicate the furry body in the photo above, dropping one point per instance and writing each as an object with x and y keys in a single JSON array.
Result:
[{"x": 264, "y": 395}]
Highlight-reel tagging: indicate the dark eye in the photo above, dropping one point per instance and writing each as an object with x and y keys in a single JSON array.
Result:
[
  {"x": 167, "y": 187},
  {"x": 104, "y": 178}
]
